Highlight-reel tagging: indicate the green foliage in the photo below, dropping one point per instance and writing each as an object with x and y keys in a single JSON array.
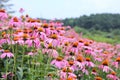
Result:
[
  {"x": 103, "y": 22},
  {"x": 100, "y": 36},
  {"x": 25, "y": 66}
]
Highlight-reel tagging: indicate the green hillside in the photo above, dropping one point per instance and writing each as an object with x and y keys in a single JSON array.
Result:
[{"x": 100, "y": 27}]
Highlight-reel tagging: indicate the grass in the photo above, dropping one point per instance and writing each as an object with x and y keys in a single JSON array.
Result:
[{"x": 99, "y": 36}]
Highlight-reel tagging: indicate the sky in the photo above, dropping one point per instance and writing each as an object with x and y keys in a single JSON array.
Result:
[{"x": 61, "y": 9}]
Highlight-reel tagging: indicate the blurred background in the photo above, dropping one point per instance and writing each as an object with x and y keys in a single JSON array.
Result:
[{"x": 96, "y": 19}]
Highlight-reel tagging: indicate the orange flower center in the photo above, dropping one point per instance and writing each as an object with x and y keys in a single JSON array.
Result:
[
  {"x": 80, "y": 58},
  {"x": 31, "y": 20},
  {"x": 105, "y": 52},
  {"x": 98, "y": 78},
  {"x": 3, "y": 33},
  {"x": 52, "y": 28},
  {"x": 113, "y": 73},
  {"x": 50, "y": 75},
  {"x": 86, "y": 43},
  {"x": 2, "y": 10},
  {"x": 66, "y": 43},
  {"x": 75, "y": 44},
  {"x": 40, "y": 29},
  {"x": 88, "y": 59},
  {"x": 32, "y": 38},
  {"x": 38, "y": 20},
  {"x": 71, "y": 78},
  {"x": 45, "y": 25},
  {"x": 6, "y": 51},
  {"x": 19, "y": 30},
  {"x": 105, "y": 62},
  {"x": 16, "y": 38},
  {"x": 59, "y": 58},
  {"x": 25, "y": 36},
  {"x": 25, "y": 30},
  {"x": 15, "y": 19},
  {"x": 81, "y": 41},
  {"x": 54, "y": 36},
  {"x": 50, "y": 46},
  {"x": 71, "y": 62},
  {"x": 67, "y": 69},
  {"x": 118, "y": 59},
  {"x": 94, "y": 70}
]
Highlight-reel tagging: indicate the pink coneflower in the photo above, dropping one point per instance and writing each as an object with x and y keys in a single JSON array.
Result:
[
  {"x": 98, "y": 78},
  {"x": 59, "y": 62},
  {"x": 84, "y": 70},
  {"x": 53, "y": 53},
  {"x": 15, "y": 22},
  {"x": 89, "y": 63},
  {"x": 33, "y": 41},
  {"x": 97, "y": 58},
  {"x": 67, "y": 74},
  {"x": 54, "y": 39},
  {"x": 32, "y": 22},
  {"x": 5, "y": 39},
  {"x": 79, "y": 63},
  {"x": 42, "y": 36},
  {"x": 25, "y": 36},
  {"x": 8, "y": 76},
  {"x": 112, "y": 76},
  {"x": 18, "y": 40},
  {"x": 74, "y": 47},
  {"x": 116, "y": 63},
  {"x": 105, "y": 66},
  {"x": 5, "y": 54},
  {"x": 32, "y": 53},
  {"x": 94, "y": 72},
  {"x": 21, "y": 10},
  {"x": 3, "y": 14}
]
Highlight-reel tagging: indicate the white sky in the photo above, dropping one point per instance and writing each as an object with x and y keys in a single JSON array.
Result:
[{"x": 65, "y": 8}]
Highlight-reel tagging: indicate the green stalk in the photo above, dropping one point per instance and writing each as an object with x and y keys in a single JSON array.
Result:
[
  {"x": 15, "y": 57},
  {"x": 6, "y": 66}
]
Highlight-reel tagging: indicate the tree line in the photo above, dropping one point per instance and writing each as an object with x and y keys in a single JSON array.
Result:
[{"x": 103, "y": 22}]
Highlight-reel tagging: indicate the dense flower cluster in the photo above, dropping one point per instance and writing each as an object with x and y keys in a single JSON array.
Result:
[{"x": 78, "y": 56}]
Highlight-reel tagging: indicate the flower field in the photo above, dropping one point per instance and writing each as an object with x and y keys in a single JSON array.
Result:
[{"x": 33, "y": 49}]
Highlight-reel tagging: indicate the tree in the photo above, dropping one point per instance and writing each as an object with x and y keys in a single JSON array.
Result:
[{"x": 4, "y": 5}]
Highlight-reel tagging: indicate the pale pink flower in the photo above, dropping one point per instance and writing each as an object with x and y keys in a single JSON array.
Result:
[
  {"x": 85, "y": 71},
  {"x": 94, "y": 73},
  {"x": 4, "y": 40},
  {"x": 105, "y": 68},
  {"x": 33, "y": 42},
  {"x": 5, "y": 54},
  {"x": 53, "y": 53},
  {"x": 42, "y": 36},
  {"x": 112, "y": 76},
  {"x": 32, "y": 53},
  {"x": 79, "y": 65},
  {"x": 96, "y": 58},
  {"x": 66, "y": 71},
  {"x": 21, "y": 10},
  {"x": 115, "y": 64},
  {"x": 59, "y": 62},
  {"x": 15, "y": 22},
  {"x": 8, "y": 76},
  {"x": 31, "y": 24},
  {"x": 3, "y": 14},
  {"x": 89, "y": 63}
]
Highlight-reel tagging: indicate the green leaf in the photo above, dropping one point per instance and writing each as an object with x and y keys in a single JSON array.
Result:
[{"x": 20, "y": 73}]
